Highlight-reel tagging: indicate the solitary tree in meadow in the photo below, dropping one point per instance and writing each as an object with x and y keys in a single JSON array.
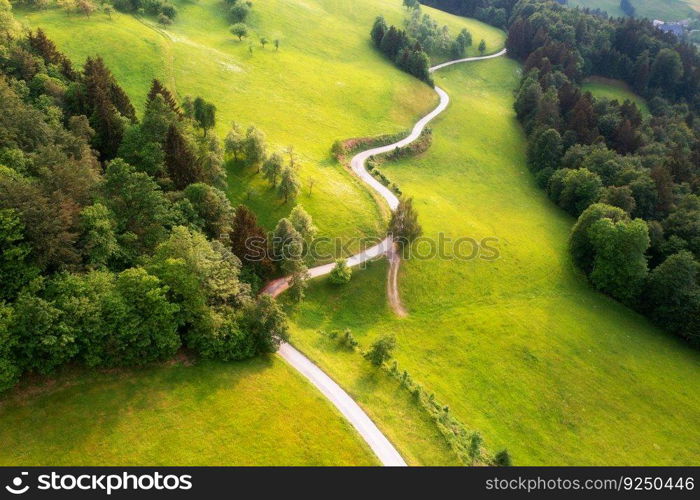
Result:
[
  {"x": 381, "y": 350},
  {"x": 482, "y": 47},
  {"x": 292, "y": 156},
  {"x": 277, "y": 43},
  {"x": 264, "y": 41},
  {"x": 240, "y": 30},
  {"x": 235, "y": 141},
  {"x": 254, "y": 146},
  {"x": 86, "y": 7},
  {"x": 289, "y": 184},
  {"x": 502, "y": 459},
  {"x": 272, "y": 168},
  {"x": 164, "y": 20},
  {"x": 204, "y": 114},
  {"x": 239, "y": 12},
  {"x": 404, "y": 226}
]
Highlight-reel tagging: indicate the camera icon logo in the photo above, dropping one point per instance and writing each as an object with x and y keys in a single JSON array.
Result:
[{"x": 16, "y": 488}]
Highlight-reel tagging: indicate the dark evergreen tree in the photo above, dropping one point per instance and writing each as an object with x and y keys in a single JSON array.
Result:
[
  {"x": 180, "y": 162},
  {"x": 157, "y": 88},
  {"x": 378, "y": 30},
  {"x": 107, "y": 124}
]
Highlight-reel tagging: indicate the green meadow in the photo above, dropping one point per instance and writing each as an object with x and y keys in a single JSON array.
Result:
[
  {"x": 326, "y": 82},
  {"x": 521, "y": 348},
  {"x": 614, "y": 89},
  {"x": 206, "y": 414}
]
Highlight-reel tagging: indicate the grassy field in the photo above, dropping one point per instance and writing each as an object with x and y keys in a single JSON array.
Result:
[
  {"x": 521, "y": 348},
  {"x": 326, "y": 82},
  {"x": 667, "y": 10},
  {"x": 207, "y": 414},
  {"x": 614, "y": 89}
]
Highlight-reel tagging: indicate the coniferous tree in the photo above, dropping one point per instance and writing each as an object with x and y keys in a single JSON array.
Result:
[
  {"x": 180, "y": 161},
  {"x": 378, "y": 30},
  {"x": 249, "y": 241},
  {"x": 121, "y": 102},
  {"x": 157, "y": 88},
  {"x": 107, "y": 124}
]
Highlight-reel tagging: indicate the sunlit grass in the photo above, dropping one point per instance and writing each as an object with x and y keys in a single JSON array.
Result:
[
  {"x": 326, "y": 82},
  {"x": 521, "y": 348},
  {"x": 614, "y": 89},
  {"x": 207, "y": 414}
]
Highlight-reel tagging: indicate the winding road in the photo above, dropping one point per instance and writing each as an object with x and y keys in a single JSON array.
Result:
[{"x": 380, "y": 445}]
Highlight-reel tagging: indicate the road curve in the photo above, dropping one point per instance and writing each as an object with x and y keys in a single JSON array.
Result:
[{"x": 380, "y": 445}]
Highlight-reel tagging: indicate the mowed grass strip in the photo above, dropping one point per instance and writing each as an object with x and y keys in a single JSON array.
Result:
[
  {"x": 258, "y": 412},
  {"x": 521, "y": 348}
]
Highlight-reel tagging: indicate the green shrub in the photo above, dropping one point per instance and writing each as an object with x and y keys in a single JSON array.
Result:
[
  {"x": 381, "y": 350},
  {"x": 341, "y": 273},
  {"x": 502, "y": 459},
  {"x": 348, "y": 340}
]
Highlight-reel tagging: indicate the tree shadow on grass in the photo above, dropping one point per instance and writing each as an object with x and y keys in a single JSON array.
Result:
[{"x": 81, "y": 409}]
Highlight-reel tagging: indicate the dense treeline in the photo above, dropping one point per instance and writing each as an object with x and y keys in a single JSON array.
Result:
[
  {"x": 495, "y": 12},
  {"x": 409, "y": 47},
  {"x": 117, "y": 245},
  {"x": 435, "y": 39},
  {"x": 406, "y": 53},
  {"x": 633, "y": 181}
]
